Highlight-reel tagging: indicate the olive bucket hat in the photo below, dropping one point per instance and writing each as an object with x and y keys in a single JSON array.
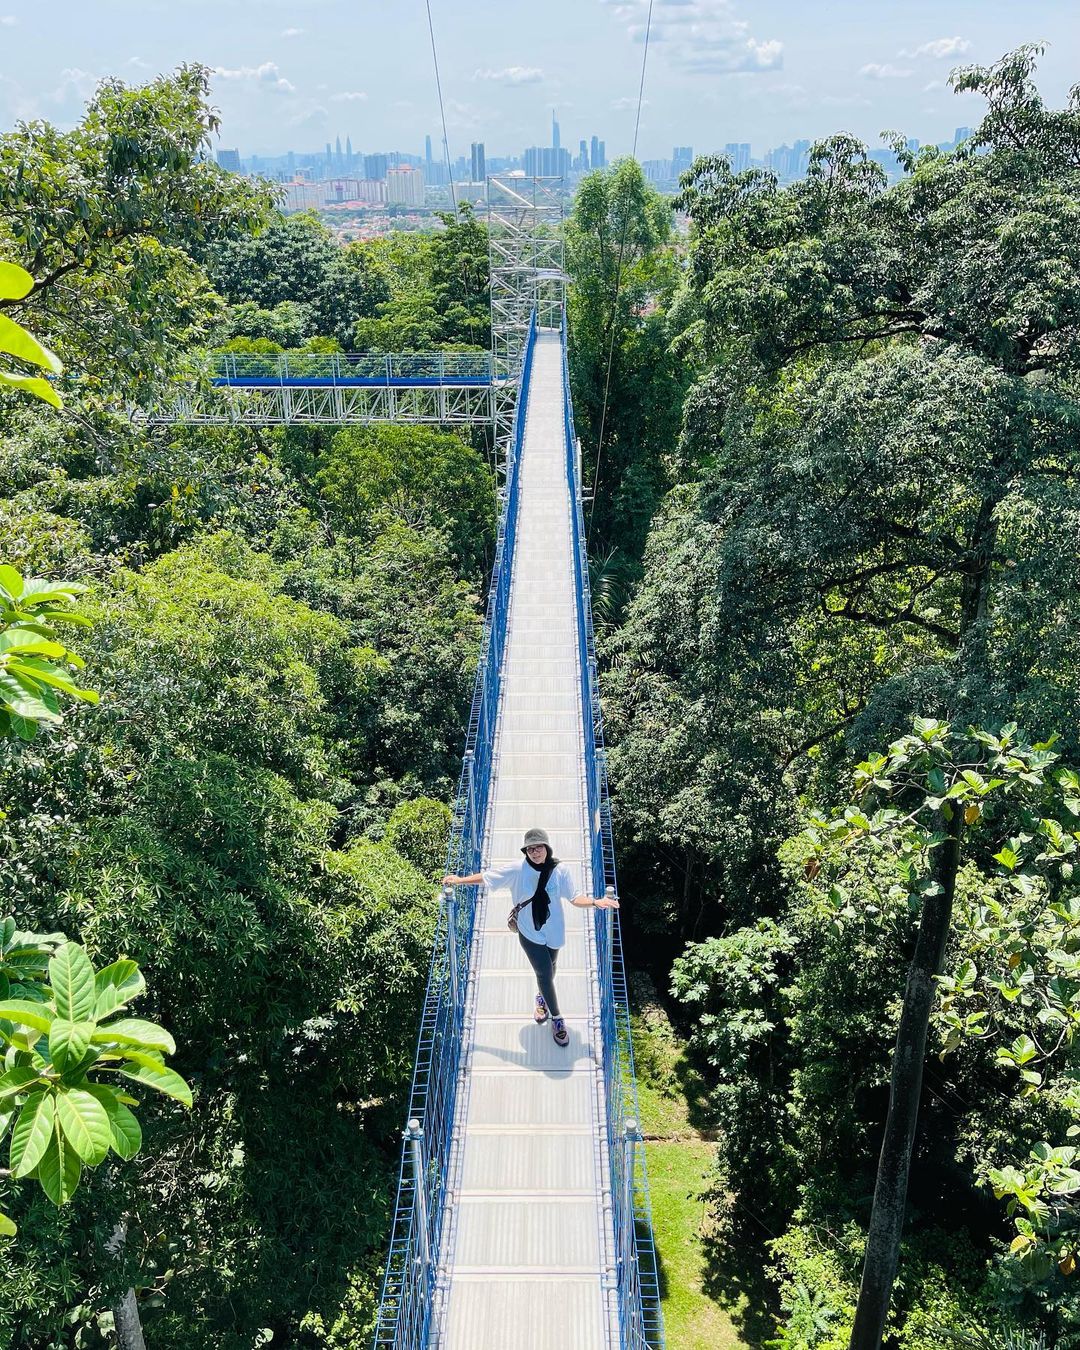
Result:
[{"x": 535, "y": 837}]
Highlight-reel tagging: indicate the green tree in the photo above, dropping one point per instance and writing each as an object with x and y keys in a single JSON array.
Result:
[
  {"x": 295, "y": 261},
  {"x": 423, "y": 477},
  {"x": 623, "y": 374},
  {"x": 102, "y": 217}
]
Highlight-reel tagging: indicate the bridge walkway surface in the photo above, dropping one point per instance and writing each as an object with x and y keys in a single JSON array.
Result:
[{"x": 528, "y": 1249}]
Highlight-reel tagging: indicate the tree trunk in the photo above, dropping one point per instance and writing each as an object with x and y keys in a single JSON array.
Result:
[
  {"x": 905, "y": 1090},
  {"x": 129, "y": 1332}
]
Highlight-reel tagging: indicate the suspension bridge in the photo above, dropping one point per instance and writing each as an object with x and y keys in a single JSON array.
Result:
[{"x": 522, "y": 1217}]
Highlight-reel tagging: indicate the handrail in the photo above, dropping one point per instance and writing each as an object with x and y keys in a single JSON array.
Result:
[
  {"x": 405, "y": 1309},
  {"x": 335, "y": 368},
  {"x": 641, "y": 1324}
]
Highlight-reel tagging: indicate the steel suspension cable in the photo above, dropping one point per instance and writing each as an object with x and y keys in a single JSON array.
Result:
[
  {"x": 618, "y": 284},
  {"x": 442, "y": 109}
]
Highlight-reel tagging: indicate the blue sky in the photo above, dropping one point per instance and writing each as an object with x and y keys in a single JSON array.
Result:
[{"x": 295, "y": 73}]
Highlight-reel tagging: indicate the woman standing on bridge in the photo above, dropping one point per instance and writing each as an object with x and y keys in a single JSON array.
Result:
[{"x": 538, "y": 887}]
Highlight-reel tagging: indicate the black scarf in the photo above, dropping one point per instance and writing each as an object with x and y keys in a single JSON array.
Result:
[{"x": 541, "y": 902}]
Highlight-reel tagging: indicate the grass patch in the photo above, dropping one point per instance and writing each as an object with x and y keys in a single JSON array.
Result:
[{"x": 680, "y": 1162}]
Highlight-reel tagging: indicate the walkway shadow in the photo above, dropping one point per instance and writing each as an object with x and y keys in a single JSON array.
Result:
[{"x": 574, "y": 1055}]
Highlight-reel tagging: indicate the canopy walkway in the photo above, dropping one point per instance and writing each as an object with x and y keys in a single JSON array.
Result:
[{"x": 522, "y": 1218}]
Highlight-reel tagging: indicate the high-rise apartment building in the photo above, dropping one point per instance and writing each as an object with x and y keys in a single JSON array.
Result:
[
  {"x": 405, "y": 186},
  {"x": 554, "y": 131},
  {"x": 375, "y": 166},
  {"x": 681, "y": 159},
  {"x": 229, "y": 159},
  {"x": 583, "y": 156},
  {"x": 543, "y": 161},
  {"x": 479, "y": 163}
]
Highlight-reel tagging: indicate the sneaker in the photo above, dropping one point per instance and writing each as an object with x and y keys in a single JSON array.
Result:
[
  {"x": 558, "y": 1030},
  {"x": 540, "y": 1012}
]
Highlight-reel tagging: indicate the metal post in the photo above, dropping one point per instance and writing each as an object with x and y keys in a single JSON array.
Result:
[
  {"x": 631, "y": 1304},
  {"x": 451, "y": 938},
  {"x": 415, "y": 1136},
  {"x": 470, "y": 803}
]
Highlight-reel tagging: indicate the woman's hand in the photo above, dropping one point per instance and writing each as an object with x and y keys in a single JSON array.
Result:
[
  {"x": 606, "y": 902},
  {"x": 451, "y": 880}
]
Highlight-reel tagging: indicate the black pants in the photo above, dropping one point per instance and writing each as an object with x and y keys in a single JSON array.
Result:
[{"x": 543, "y": 961}]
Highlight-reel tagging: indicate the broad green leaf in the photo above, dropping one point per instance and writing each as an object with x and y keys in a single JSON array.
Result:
[
  {"x": 160, "y": 1078},
  {"x": 16, "y": 1080},
  {"x": 27, "y": 1014},
  {"x": 32, "y": 1133},
  {"x": 12, "y": 582},
  {"x": 15, "y": 282},
  {"x": 126, "y": 1131},
  {"x": 59, "y": 1169},
  {"x": 18, "y": 342},
  {"x": 72, "y": 978},
  {"x": 23, "y": 703},
  {"x": 32, "y": 384},
  {"x": 7, "y": 1227},
  {"x": 8, "y": 1109},
  {"x": 134, "y": 1031},
  {"x": 85, "y": 1122},
  {"x": 116, "y": 985},
  {"x": 68, "y": 1042}
]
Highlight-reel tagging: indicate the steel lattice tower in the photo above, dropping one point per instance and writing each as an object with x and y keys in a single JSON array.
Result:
[{"x": 525, "y": 247}]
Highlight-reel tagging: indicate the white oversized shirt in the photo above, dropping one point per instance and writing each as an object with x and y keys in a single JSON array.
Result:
[{"x": 520, "y": 880}]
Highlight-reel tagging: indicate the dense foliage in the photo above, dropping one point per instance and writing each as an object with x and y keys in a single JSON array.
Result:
[
  {"x": 284, "y": 629},
  {"x": 873, "y": 518}
]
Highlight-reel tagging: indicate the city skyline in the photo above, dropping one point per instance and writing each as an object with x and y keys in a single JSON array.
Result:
[{"x": 293, "y": 73}]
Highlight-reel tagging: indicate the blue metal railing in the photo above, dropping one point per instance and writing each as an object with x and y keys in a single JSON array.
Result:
[
  {"x": 640, "y": 1318},
  {"x": 405, "y": 1310},
  {"x": 351, "y": 368}
]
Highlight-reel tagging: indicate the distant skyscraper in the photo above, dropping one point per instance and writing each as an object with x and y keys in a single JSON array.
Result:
[
  {"x": 229, "y": 159},
  {"x": 554, "y": 131},
  {"x": 479, "y": 165},
  {"x": 594, "y": 153},
  {"x": 375, "y": 166},
  {"x": 602, "y": 152},
  {"x": 681, "y": 159},
  {"x": 329, "y": 153},
  {"x": 427, "y": 151},
  {"x": 348, "y": 150},
  {"x": 583, "y": 155},
  {"x": 737, "y": 154}
]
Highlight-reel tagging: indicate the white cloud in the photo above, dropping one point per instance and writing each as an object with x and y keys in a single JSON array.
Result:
[
  {"x": 137, "y": 63},
  {"x": 351, "y": 97},
  {"x": 511, "y": 75},
  {"x": 267, "y": 76},
  {"x": 625, "y": 104},
  {"x": 701, "y": 37},
  {"x": 8, "y": 21},
  {"x": 933, "y": 85},
  {"x": 941, "y": 48},
  {"x": 874, "y": 71},
  {"x": 292, "y": 32}
]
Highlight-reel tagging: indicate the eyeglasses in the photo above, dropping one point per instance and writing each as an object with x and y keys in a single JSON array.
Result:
[{"x": 536, "y": 848}]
